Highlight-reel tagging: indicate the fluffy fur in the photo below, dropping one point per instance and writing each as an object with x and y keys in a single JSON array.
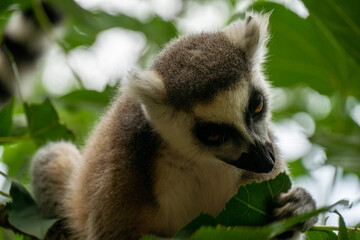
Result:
[{"x": 145, "y": 169}]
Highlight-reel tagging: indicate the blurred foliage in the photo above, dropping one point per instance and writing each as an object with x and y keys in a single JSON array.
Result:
[
  {"x": 83, "y": 26},
  {"x": 24, "y": 214},
  {"x": 313, "y": 60}
]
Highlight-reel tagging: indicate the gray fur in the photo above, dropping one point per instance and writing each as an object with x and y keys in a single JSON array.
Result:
[
  {"x": 195, "y": 68},
  {"x": 51, "y": 168},
  {"x": 128, "y": 147},
  {"x": 296, "y": 202}
]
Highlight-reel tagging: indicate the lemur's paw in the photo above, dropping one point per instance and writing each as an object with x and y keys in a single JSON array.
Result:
[{"x": 297, "y": 201}]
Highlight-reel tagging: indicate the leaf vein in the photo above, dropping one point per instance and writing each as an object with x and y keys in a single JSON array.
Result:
[{"x": 251, "y": 207}]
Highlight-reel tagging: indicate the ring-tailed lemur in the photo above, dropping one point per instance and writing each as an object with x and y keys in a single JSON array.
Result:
[{"x": 179, "y": 140}]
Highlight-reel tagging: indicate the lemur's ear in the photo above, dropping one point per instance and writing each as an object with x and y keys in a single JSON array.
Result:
[
  {"x": 147, "y": 87},
  {"x": 250, "y": 34}
]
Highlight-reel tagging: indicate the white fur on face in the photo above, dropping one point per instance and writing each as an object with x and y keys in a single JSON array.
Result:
[{"x": 228, "y": 107}]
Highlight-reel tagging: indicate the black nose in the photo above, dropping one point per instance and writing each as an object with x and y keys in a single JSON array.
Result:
[{"x": 259, "y": 159}]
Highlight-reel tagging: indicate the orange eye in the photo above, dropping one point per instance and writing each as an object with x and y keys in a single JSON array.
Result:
[
  {"x": 213, "y": 138},
  {"x": 259, "y": 108}
]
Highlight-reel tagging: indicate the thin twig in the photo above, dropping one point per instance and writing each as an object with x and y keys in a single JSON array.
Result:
[
  {"x": 14, "y": 139},
  {"x": 14, "y": 68},
  {"x": 5, "y": 194},
  {"x": 4, "y": 174},
  {"x": 332, "y": 228}
]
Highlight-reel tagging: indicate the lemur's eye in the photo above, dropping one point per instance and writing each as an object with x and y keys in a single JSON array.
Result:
[
  {"x": 256, "y": 105},
  {"x": 214, "y": 138},
  {"x": 211, "y": 134},
  {"x": 259, "y": 108}
]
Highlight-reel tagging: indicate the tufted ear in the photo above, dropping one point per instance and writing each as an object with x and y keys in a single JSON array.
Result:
[
  {"x": 250, "y": 34},
  {"x": 147, "y": 87}
]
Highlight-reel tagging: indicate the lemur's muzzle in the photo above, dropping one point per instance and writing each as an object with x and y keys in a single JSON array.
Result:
[{"x": 259, "y": 159}]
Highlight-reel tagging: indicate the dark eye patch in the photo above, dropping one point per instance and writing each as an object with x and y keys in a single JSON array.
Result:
[{"x": 214, "y": 134}]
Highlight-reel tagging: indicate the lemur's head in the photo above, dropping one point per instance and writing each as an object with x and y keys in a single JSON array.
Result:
[{"x": 207, "y": 97}]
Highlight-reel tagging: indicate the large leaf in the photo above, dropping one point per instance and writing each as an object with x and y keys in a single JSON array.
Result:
[
  {"x": 17, "y": 157},
  {"x": 297, "y": 169},
  {"x": 83, "y": 26},
  {"x": 342, "y": 19},
  {"x": 221, "y": 232},
  {"x": 258, "y": 233},
  {"x": 354, "y": 235},
  {"x": 254, "y": 203},
  {"x": 301, "y": 52},
  {"x": 252, "y": 233},
  {"x": 343, "y": 232},
  {"x": 81, "y": 108},
  {"x": 321, "y": 235},
  {"x": 251, "y": 206},
  {"x": 6, "y": 119},
  {"x": 24, "y": 215},
  {"x": 202, "y": 220},
  {"x": 83, "y": 98},
  {"x": 44, "y": 123}
]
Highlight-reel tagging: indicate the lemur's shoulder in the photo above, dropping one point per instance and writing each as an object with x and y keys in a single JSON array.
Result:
[
  {"x": 125, "y": 139},
  {"x": 118, "y": 166}
]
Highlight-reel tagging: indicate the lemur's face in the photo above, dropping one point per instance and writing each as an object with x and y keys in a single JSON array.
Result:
[
  {"x": 207, "y": 97},
  {"x": 234, "y": 127}
]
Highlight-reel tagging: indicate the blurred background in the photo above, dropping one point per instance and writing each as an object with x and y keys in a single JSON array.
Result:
[{"x": 85, "y": 48}]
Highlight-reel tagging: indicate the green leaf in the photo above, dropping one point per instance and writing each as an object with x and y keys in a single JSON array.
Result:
[
  {"x": 6, "y": 118},
  {"x": 83, "y": 98},
  {"x": 354, "y": 235},
  {"x": 150, "y": 237},
  {"x": 7, "y": 234},
  {"x": 202, "y": 220},
  {"x": 302, "y": 52},
  {"x": 254, "y": 203},
  {"x": 24, "y": 214},
  {"x": 297, "y": 169},
  {"x": 81, "y": 108},
  {"x": 321, "y": 235},
  {"x": 258, "y": 233},
  {"x": 342, "y": 19},
  {"x": 221, "y": 232},
  {"x": 44, "y": 123},
  {"x": 17, "y": 157},
  {"x": 343, "y": 233},
  {"x": 251, "y": 206}
]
